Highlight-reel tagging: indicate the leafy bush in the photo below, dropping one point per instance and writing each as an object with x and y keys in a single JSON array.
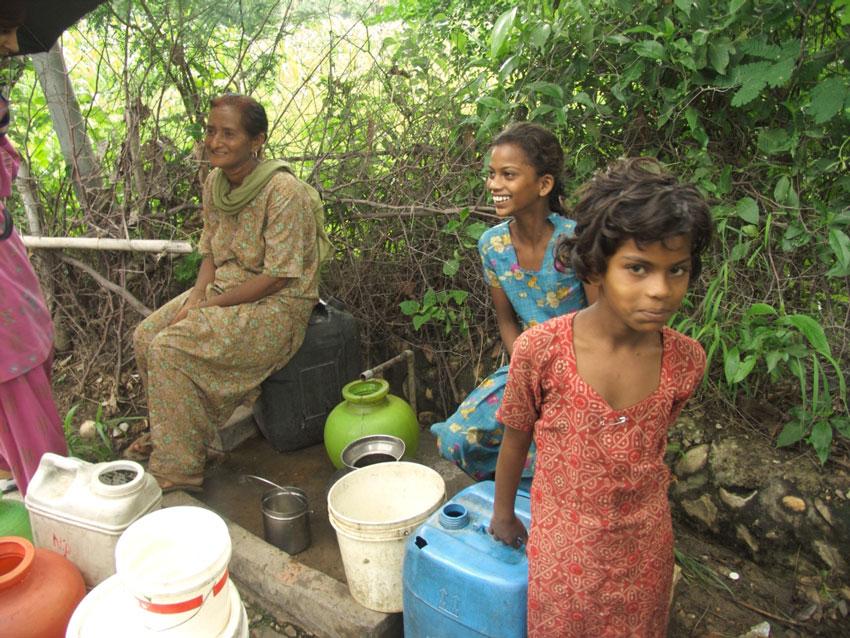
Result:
[{"x": 391, "y": 120}]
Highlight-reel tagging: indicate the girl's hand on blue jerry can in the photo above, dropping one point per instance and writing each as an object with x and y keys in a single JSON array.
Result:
[{"x": 510, "y": 531}]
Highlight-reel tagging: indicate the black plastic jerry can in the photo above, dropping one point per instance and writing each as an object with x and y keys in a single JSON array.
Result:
[{"x": 295, "y": 401}]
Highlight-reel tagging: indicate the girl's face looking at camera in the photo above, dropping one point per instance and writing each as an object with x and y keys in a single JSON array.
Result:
[
  {"x": 514, "y": 183},
  {"x": 644, "y": 286}
]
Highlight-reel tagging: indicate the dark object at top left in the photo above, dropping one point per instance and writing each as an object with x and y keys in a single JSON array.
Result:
[{"x": 46, "y": 20}]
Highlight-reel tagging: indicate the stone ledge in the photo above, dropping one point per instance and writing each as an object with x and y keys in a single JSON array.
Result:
[
  {"x": 750, "y": 494},
  {"x": 292, "y": 591}
]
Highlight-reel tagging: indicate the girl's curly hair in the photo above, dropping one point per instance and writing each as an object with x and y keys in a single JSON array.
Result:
[{"x": 634, "y": 198}]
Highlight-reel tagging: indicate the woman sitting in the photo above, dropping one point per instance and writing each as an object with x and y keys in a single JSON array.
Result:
[{"x": 204, "y": 352}]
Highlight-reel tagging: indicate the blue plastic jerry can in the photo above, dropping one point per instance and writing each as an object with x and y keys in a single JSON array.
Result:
[{"x": 458, "y": 579}]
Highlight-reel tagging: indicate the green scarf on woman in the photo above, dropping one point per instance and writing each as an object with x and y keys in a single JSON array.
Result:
[{"x": 231, "y": 200}]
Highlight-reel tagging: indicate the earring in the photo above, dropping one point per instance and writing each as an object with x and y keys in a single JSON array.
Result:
[{"x": 255, "y": 154}]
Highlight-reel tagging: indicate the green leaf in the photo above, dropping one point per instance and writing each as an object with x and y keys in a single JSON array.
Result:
[
  {"x": 747, "y": 209},
  {"x": 491, "y": 102},
  {"x": 748, "y": 92},
  {"x": 68, "y": 421},
  {"x": 752, "y": 80},
  {"x": 739, "y": 251},
  {"x": 475, "y": 230},
  {"x": 718, "y": 55},
  {"x": 409, "y": 307},
  {"x": 458, "y": 296},
  {"x": 840, "y": 244},
  {"x": 509, "y": 66},
  {"x": 736, "y": 370},
  {"x": 827, "y": 99},
  {"x": 745, "y": 368},
  {"x": 451, "y": 267},
  {"x": 429, "y": 299},
  {"x": 759, "y": 309},
  {"x": 791, "y": 434},
  {"x": 500, "y": 33},
  {"x": 780, "y": 73},
  {"x": 650, "y": 49},
  {"x": 540, "y": 35},
  {"x": 685, "y": 6},
  {"x": 774, "y": 140},
  {"x": 772, "y": 358},
  {"x": 821, "y": 439},
  {"x": 759, "y": 48},
  {"x": 734, "y": 5},
  {"x": 700, "y": 36},
  {"x": 780, "y": 191},
  {"x": 547, "y": 88},
  {"x": 420, "y": 320},
  {"x": 584, "y": 98},
  {"x": 811, "y": 330},
  {"x": 842, "y": 425}
]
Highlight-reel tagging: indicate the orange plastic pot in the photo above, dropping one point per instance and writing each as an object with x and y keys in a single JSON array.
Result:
[{"x": 39, "y": 590}]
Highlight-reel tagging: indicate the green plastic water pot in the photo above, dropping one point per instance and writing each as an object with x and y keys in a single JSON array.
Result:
[{"x": 369, "y": 408}]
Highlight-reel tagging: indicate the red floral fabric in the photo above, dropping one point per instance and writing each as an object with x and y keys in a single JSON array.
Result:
[{"x": 600, "y": 549}]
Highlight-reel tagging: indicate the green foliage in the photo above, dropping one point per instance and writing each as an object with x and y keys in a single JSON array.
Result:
[
  {"x": 750, "y": 100},
  {"x": 448, "y": 307},
  {"x": 445, "y": 307},
  {"x": 186, "y": 270},
  {"x": 95, "y": 450}
]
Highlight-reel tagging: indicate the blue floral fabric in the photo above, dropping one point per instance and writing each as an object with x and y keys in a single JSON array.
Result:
[{"x": 471, "y": 436}]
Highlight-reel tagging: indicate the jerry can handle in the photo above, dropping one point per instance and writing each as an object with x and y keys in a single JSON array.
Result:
[
  {"x": 64, "y": 462},
  {"x": 319, "y": 312}
]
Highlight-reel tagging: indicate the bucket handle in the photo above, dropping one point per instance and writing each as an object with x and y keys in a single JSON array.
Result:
[{"x": 245, "y": 477}]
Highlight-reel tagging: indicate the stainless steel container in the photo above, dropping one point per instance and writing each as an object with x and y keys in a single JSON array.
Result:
[
  {"x": 375, "y": 448},
  {"x": 286, "y": 519}
]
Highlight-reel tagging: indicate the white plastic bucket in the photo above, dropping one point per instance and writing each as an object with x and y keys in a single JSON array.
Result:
[
  {"x": 174, "y": 562},
  {"x": 373, "y": 510},
  {"x": 109, "y": 610}
]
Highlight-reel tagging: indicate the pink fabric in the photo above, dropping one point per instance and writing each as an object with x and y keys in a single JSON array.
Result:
[
  {"x": 26, "y": 332},
  {"x": 29, "y": 424},
  {"x": 9, "y": 163}
]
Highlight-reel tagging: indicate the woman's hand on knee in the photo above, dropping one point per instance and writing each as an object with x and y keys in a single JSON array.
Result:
[
  {"x": 193, "y": 301},
  {"x": 181, "y": 315}
]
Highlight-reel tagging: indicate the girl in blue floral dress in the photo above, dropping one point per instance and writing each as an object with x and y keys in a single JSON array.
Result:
[{"x": 527, "y": 287}]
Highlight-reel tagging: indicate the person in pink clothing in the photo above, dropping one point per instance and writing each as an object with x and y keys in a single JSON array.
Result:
[
  {"x": 596, "y": 390},
  {"x": 29, "y": 422}
]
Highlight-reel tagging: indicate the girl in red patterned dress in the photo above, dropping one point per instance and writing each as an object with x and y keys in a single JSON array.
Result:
[{"x": 596, "y": 390}]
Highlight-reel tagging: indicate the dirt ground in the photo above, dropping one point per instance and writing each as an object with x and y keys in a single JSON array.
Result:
[
  {"x": 720, "y": 594},
  {"x": 713, "y": 604}
]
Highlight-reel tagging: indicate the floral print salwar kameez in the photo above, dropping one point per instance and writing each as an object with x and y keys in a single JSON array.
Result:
[
  {"x": 200, "y": 369},
  {"x": 471, "y": 436}
]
